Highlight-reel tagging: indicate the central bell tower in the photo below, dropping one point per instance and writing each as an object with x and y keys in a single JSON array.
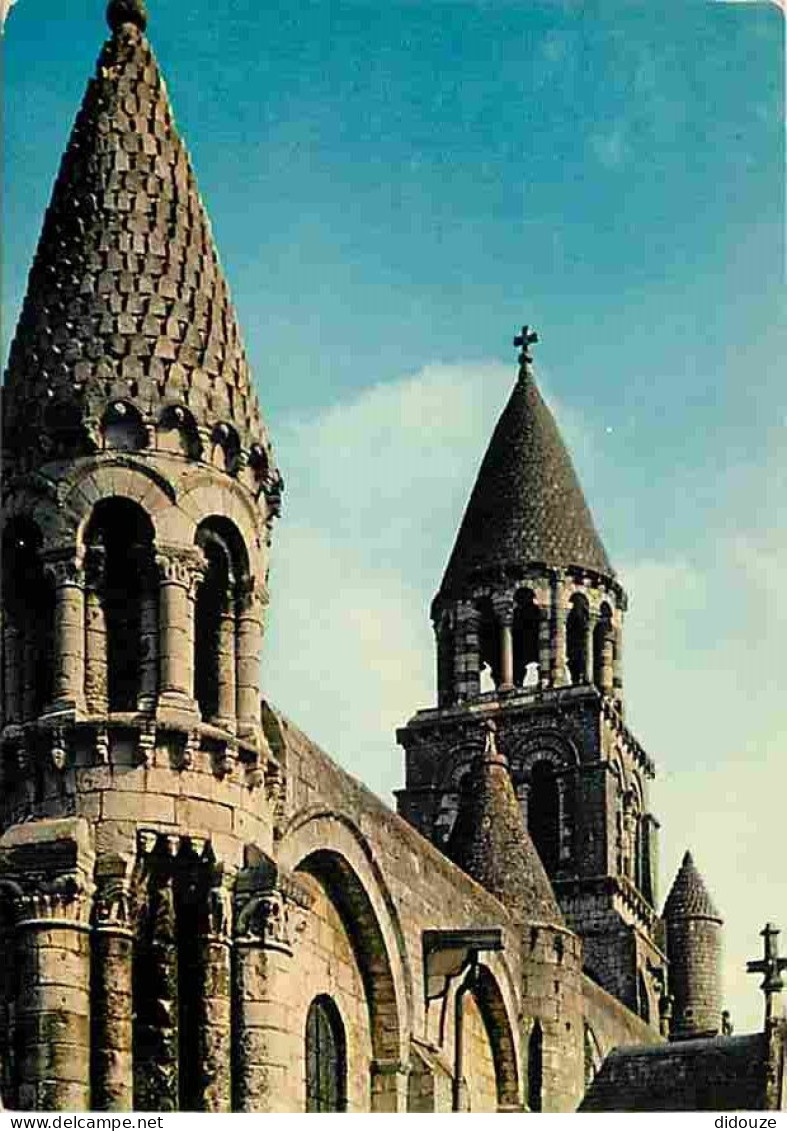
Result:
[{"x": 528, "y": 626}]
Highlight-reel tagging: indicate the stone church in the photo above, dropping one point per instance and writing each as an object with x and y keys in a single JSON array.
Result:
[{"x": 200, "y": 910}]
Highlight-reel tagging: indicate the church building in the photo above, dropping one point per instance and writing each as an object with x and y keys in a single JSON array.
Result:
[{"x": 199, "y": 909}]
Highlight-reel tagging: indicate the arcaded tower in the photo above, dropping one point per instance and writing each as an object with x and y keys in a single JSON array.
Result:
[
  {"x": 528, "y": 624},
  {"x": 139, "y": 490},
  {"x": 694, "y": 950}
]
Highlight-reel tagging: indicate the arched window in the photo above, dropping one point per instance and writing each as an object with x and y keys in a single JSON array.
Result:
[
  {"x": 488, "y": 645},
  {"x": 119, "y": 541},
  {"x": 326, "y": 1057},
  {"x": 28, "y": 602},
  {"x": 122, "y": 428},
  {"x": 643, "y": 998},
  {"x": 543, "y": 815},
  {"x": 577, "y": 638},
  {"x": 535, "y": 1068},
  {"x": 177, "y": 433},
  {"x": 215, "y": 620},
  {"x": 525, "y": 631}
]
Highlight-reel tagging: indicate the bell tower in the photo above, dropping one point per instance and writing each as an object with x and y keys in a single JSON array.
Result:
[
  {"x": 139, "y": 492},
  {"x": 528, "y": 627}
]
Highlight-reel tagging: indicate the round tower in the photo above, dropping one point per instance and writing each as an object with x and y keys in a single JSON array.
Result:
[
  {"x": 139, "y": 491},
  {"x": 694, "y": 942},
  {"x": 490, "y": 842}
]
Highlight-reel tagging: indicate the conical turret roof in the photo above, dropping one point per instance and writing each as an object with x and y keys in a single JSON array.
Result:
[
  {"x": 126, "y": 299},
  {"x": 490, "y": 842},
  {"x": 527, "y": 505},
  {"x": 689, "y": 898}
]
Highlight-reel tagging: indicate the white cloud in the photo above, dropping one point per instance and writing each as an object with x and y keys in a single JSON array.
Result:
[{"x": 5, "y": 8}]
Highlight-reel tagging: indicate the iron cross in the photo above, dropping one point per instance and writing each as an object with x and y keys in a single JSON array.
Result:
[
  {"x": 771, "y": 965},
  {"x": 524, "y": 340}
]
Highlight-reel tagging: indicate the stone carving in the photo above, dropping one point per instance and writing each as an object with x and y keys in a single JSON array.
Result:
[{"x": 63, "y": 897}]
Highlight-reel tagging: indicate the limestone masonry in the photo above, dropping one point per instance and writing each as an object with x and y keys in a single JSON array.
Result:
[{"x": 199, "y": 910}]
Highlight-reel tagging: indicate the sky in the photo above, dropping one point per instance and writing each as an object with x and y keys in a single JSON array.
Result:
[{"x": 395, "y": 188}]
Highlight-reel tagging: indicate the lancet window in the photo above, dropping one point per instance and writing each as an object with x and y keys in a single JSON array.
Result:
[{"x": 326, "y": 1057}]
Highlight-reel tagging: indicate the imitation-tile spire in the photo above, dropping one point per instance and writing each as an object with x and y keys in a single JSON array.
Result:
[{"x": 127, "y": 308}]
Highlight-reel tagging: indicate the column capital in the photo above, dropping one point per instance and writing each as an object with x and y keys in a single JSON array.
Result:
[
  {"x": 113, "y": 902},
  {"x": 61, "y": 902},
  {"x": 503, "y": 605},
  {"x": 251, "y": 595},
  {"x": 180, "y": 566},
  {"x": 270, "y": 907},
  {"x": 65, "y": 571}
]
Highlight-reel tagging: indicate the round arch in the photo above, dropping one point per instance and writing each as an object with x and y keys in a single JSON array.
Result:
[
  {"x": 497, "y": 1013},
  {"x": 330, "y": 848}
]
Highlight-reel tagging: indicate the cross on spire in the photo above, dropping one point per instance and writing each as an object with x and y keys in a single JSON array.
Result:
[
  {"x": 526, "y": 338},
  {"x": 772, "y": 966}
]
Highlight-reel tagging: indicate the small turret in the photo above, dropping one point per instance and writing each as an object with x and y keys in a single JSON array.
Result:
[{"x": 694, "y": 951}]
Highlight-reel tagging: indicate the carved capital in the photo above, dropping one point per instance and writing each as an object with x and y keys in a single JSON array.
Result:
[
  {"x": 252, "y": 597},
  {"x": 64, "y": 572},
  {"x": 113, "y": 904},
  {"x": 503, "y": 605},
  {"x": 270, "y": 908},
  {"x": 62, "y": 899},
  {"x": 180, "y": 567},
  {"x": 217, "y": 915}
]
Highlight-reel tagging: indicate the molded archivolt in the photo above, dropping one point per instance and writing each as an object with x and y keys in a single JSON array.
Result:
[{"x": 336, "y": 853}]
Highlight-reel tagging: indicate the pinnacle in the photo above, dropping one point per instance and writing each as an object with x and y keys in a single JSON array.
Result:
[
  {"x": 689, "y": 898},
  {"x": 120, "y": 12}
]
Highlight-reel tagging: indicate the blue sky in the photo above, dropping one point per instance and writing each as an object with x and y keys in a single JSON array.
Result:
[{"x": 396, "y": 187}]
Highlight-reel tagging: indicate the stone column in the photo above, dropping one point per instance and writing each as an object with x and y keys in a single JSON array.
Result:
[
  {"x": 12, "y": 670},
  {"x": 589, "y": 652},
  {"x": 227, "y": 662},
  {"x": 606, "y": 673},
  {"x": 30, "y": 673},
  {"x": 250, "y": 607},
  {"x": 617, "y": 665},
  {"x": 156, "y": 1083},
  {"x": 544, "y": 647},
  {"x": 266, "y": 1047},
  {"x": 390, "y": 1080},
  {"x": 215, "y": 1002},
  {"x": 8, "y": 984},
  {"x": 69, "y": 642},
  {"x": 149, "y": 642},
  {"x": 53, "y": 998},
  {"x": 504, "y": 613},
  {"x": 96, "y": 672},
  {"x": 560, "y": 676},
  {"x": 179, "y": 571},
  {"x": 112, "y": 1069}
]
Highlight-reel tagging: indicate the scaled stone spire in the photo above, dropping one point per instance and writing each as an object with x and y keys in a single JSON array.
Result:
[
  {"x": 689, "y": 897},
  {"x": 527, "y": 505},
  {"x": 490, "y": 842},
  {"x": 126, "y": 304}
]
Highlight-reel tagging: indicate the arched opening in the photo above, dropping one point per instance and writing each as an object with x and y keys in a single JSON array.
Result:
[
  {"x": 119, "y": 542},
  {"x": 643, "y": 998},
  {"x": 444, "y": 638},
  {"x": 543, "y": 814},
  {"x": 488, "y": 646},
  {"x": 525, "y": 631},
  {"x": 177, "y": 433},
  {"x": 325, "y": 1057},
  {"x": 28, "y": 634},
  {"x": 535, "y": 1068},
  {"x": 504, "y": 1054},
  {"x": 577, "y": 624},
  {"x": 603, "y": 650},
  {"x": 215, "y": 614},
  {"x": 593, "y": 1057},
  {"x": 122, "y": 428},
  {"x": 225, "y": 448}
]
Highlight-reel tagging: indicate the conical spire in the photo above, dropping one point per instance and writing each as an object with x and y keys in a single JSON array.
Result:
[
  {"x": 689, "y": 897},
  {"x": 126, "y": 300},
  {"x": 490, "y": 842},
  {"x": 527, "y": 505}
]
